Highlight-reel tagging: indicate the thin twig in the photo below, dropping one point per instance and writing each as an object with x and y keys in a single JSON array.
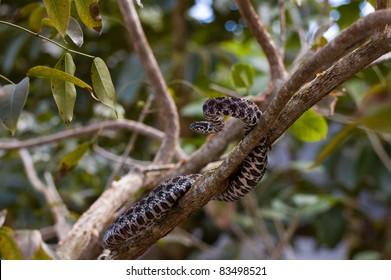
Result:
[
  {"x": 190, "y": 239},
  {"x": 259, "y": 225},
  {"x": 84, "y": 131},
  {"x": 45, "y": 38},
  {"x": 131, "y": 143},
  {"x": 167, "y": 110},
  {"x": 287, "y": 236},
  {"x": 247, "y": 241},
  {"x": 6, "y": 79},
  {"x": 280, "y": 229},
  {"x": 134, "y": 164},
  {"x": 87, "y": 130}
]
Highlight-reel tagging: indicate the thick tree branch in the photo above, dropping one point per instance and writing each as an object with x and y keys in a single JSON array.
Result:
[
  {"x": 213, "y": 184},
  {"x": 93, "y": 222},
  {"x": 168, "y": 114},
  {"x": 351, "y": 37},
  {"x": 258, "y": 29},
  {"x": 209, "y": 186},
  {"x": 328, "y": 80}
]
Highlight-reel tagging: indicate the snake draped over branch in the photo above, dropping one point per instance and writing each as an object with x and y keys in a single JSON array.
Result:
[{"x": 145, "y": 213}]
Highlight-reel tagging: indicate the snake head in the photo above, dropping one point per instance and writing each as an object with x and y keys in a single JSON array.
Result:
[{"x": 203, "y": 127}]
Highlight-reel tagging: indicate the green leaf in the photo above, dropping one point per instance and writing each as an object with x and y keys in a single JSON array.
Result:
[
  {"x": 310, "y": 127},
  {"x": 242, "y": 76},
  {"x": 47, "y": 21},
  {"x": 64, "y": 92},
  {"x": 332, "y": 145},
  {"x": 193, "y": 109},
  {"x": 102, "y": 83},
  {"x": 26, "y": 10},
  {"x": 75, "y": 33},
  {"x": 72, "y": 159},
  {"x": 9, "y": 249},
  {"x": 312, "y": 205},
  {"x": 36, "y": 17},
  {"x": 88, "y": 11},
  {"x": 51, "y": 73},
  {"x": 59, "y": 12},
  {"x": 12, "y": 100}
]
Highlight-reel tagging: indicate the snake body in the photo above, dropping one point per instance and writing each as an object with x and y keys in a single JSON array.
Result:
[{"x": 159, "y": 201}]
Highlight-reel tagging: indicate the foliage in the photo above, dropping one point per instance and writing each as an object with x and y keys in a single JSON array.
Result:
[{"x": 329, "y": 176}]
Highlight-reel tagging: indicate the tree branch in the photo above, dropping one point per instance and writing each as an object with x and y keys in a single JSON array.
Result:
[
  {"x": 213, "y": 184},
  {"x": 60, "y": 212},
  {"x": 90, "y": 129},
  {"x": 351, "y": 37},
  {"x": 168, "y": 114},
  {"x": 258, "y": 29},
  {"x": 93, "y": 222},
  {"x": 328, "y": 80},
  {"x": 131, "y": 143}
]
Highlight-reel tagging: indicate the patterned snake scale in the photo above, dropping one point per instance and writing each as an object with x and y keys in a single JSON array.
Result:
[{"x": 159, "y": 201}]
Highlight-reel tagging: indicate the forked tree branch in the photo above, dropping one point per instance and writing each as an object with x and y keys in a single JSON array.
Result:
[
  {"x": 93, "y": 222},
  {"x": 351, "y": 37},
  {"x": 328, "y": 54},
  {"x": 213, "y": 184},
  {"x": 59, "y": 210},
  {"x": 326, "y": 81},
  {"x": 210, "y": 186}
]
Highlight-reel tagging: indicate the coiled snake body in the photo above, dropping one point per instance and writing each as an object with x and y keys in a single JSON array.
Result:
[{"x": 159, "y": 201}]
